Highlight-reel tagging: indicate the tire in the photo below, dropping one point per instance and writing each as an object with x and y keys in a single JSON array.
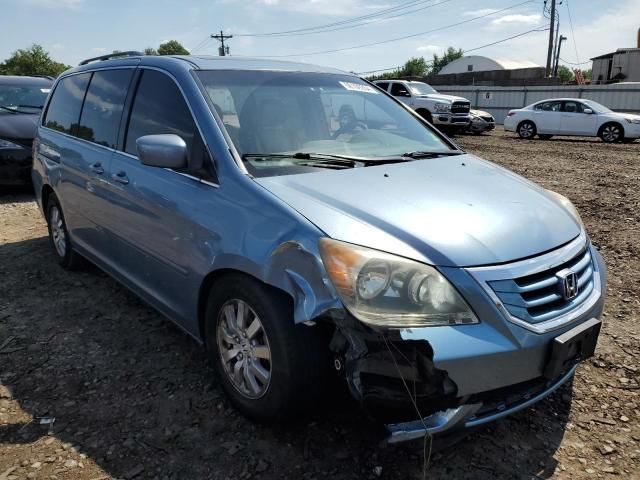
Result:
[
  {"x": 281, "y": 367},
  {"x": 67, "y": 257},
  {"x": 611, "y": 133},
  {"x": 426, "y": 115},
  {"x": 545, "y": 137},
  {"x": 526, "y": 130}
]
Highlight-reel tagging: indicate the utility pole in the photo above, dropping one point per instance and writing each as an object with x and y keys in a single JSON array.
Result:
[
  {"x": 552, "y": 25},
  {"x": 555, "y": 66},
  {"x": 222, "y": 50}
]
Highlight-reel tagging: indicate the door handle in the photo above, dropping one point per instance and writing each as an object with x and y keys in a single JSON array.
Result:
[
  {"x": 121, "y": 177},
  {"x": 97, "y": 168}
]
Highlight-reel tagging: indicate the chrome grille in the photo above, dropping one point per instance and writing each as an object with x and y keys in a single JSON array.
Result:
[
  {"x": 460, "y": 107},
  {"x": 539, "y": 297}
]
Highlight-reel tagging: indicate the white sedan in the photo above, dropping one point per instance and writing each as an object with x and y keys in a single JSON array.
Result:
[{"x": 571, "y": 116}]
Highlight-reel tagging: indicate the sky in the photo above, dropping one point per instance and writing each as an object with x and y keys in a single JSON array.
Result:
[{"x": 72, "y": 30}]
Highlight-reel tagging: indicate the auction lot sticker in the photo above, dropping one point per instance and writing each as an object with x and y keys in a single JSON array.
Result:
[{"x": 358, "y": 87}]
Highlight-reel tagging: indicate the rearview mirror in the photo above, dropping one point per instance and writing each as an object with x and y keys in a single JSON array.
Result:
[
  {"x": 163, "y": 151},
  {"x": 588, "y": 111}
]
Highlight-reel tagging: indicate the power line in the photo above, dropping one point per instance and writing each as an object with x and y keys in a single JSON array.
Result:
[
  {"x": 201, "y": 44},
  {"x": 354, "y": 25},
  {"x": 537, "y": 29},
  {"x": 335, "y": 50},
  {"x": 573, "y": 35},
  {"x": 575, "y": 63},
  {"x": 342, "y": 22}
]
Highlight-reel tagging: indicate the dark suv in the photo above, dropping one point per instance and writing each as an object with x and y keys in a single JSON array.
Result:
[{"x": 21, "y": 101}]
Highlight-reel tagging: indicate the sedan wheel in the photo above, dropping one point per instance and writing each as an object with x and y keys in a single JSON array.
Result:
[
  {"x": 244, "y": 349},
  {"x": 611, "y": 133},
  {"x": 527, "y": 130}
]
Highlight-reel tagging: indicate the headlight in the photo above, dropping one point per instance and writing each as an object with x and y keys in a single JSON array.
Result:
[
  {"x": 632, "y": 120},
  {"x": 566, "y": 203},
  {"x": 442, "y": 107},
  {"x": 7, "y": 144},
  {"x": 383, "y": 290}
]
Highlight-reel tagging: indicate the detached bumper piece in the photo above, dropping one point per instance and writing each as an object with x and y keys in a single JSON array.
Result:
[{"x": 479, "y": 409}]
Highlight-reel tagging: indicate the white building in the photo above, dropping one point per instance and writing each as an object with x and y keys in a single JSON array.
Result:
[
  {"x": 478, "y": 63},
  {"x": 623, "y": 65}
]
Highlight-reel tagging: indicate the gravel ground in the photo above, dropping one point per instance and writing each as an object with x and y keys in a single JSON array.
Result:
[{"x": 132, "y": 396}]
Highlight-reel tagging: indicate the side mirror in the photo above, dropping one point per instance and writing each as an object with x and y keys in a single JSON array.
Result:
[
  {"x": 588, "y": 111},
  {"x": 163, "y": 151}
]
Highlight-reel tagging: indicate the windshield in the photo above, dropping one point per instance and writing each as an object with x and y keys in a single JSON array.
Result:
[
  {"x": 596, "y": 107},
  {"x": 22, "y": 98},
  {"x": 419, "y": 88},
  {"x": 274, "y": 112}
]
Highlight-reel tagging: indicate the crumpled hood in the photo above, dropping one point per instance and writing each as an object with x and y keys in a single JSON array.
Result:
[
  {"x": 438, "y": 97},
  {"x": 18, "y": 125},
  {"x": 449, "y": 211}
]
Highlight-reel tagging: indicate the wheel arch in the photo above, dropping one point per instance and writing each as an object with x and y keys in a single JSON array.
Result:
[
  {"x": 611, "y": 122},
  {"x": 290, "y": 269},
  {"x": 45, "y": 195}
]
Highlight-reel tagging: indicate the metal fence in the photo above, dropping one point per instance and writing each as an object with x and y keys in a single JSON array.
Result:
[{"x": 499, "y": 100}]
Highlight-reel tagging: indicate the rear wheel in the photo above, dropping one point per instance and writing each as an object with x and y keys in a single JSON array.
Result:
[
  {"x": 270, "y": 368},
  {"x": 545, "y": 137},
  {"x": 526, "y": 130},
  {"x": 59, "y": 236},
  {"x": 611, "y": 133}
]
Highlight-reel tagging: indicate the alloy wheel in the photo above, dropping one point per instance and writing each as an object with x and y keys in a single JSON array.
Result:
[
  {"x": 58, "y": 234},
  {"x": 526, "y": 130},
  {"x": 611, "y": 133},
  {"x": 244, "y": 348}
]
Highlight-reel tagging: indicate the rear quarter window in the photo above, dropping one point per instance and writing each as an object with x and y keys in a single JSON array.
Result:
[{"x": 63, "y": 112}]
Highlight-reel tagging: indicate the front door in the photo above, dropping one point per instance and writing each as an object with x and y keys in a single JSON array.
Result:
[
  {"x": 575, "y": 121},
  {"x": 156, "y": 212}
]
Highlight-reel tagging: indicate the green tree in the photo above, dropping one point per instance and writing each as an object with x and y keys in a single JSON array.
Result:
[
  {"x": 415, "y": 67},
  {"x": 565, "y": 74},
  {"x": 449, "y": 56},
  {"x": 172, "y": 47},
  {"x": 587, "y": 75},
  {"x": 150, "y": 51},
  {"x": 34, "y": 60}
]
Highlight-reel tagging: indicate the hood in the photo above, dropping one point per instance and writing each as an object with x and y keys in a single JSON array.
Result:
[
  {"x": 450, "y": 211},
  {"x": 18, "y": 125},
  {"x": 438, "y": 97},
  {"x": 480, "y": 113}
]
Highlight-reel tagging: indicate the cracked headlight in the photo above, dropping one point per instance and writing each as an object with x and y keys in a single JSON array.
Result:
[
  {"x": 568, "y": 206},
  {"x": 384, "y": 290}
]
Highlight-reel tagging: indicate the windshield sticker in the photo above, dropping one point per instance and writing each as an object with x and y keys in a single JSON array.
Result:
[
  {"x": 358, "y": 87},
  {"x": 45, "y": 90}
]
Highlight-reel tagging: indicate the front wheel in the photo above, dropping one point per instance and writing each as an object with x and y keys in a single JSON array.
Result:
[
  {"x": 270, "y": 368},
  {"x": 611, "y": 133},
  {"x": 526, "y": 130}
]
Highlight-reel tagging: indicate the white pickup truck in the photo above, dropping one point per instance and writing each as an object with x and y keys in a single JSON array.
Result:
[{"x": 448, "y": 112}]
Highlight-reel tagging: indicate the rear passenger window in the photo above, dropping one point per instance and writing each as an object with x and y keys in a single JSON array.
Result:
[
  {"x": 63, "y": 112},
  {"x": 383, "y": 85},
  {"x": 103, "y": 106},
  {"x": 159, "y": 108}
]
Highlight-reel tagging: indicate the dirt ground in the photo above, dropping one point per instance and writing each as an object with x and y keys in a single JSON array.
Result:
[{"x": 133, "y": 397}]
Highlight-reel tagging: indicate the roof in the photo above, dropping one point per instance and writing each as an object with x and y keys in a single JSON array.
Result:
[
  {"x": 620, "y": 50},
  {"x": 25, "y": 80},
  {"x": 207, "y": 62}
]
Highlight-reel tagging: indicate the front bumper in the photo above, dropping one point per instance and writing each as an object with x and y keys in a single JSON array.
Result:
[
  {"x": 451, "y": 119},
  {"x": 467, "y": 375},
  {"x": 480, "y": 125},
  {"x": 15, "y": 166}
]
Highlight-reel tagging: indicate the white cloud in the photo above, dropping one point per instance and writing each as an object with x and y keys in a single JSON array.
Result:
[
  {"x": 479, "y": 13},
  {"x": 429, "y": 48},
  {"x": 69, "y": 4},
  {"x": 518, "y": 19}
]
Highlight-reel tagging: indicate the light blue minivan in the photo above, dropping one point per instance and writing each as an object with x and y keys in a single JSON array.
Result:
[{"x": 302, "y": 224}]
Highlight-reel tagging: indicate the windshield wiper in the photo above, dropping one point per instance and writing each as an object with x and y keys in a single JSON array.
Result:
[
  {"x": 427, "y": 154},
  {"x": 8, "y": 109},
  {"x": 326, "y": 158}
]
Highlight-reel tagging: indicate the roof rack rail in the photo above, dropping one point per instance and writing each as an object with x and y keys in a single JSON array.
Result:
[{"x": 131, "y": 53}]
